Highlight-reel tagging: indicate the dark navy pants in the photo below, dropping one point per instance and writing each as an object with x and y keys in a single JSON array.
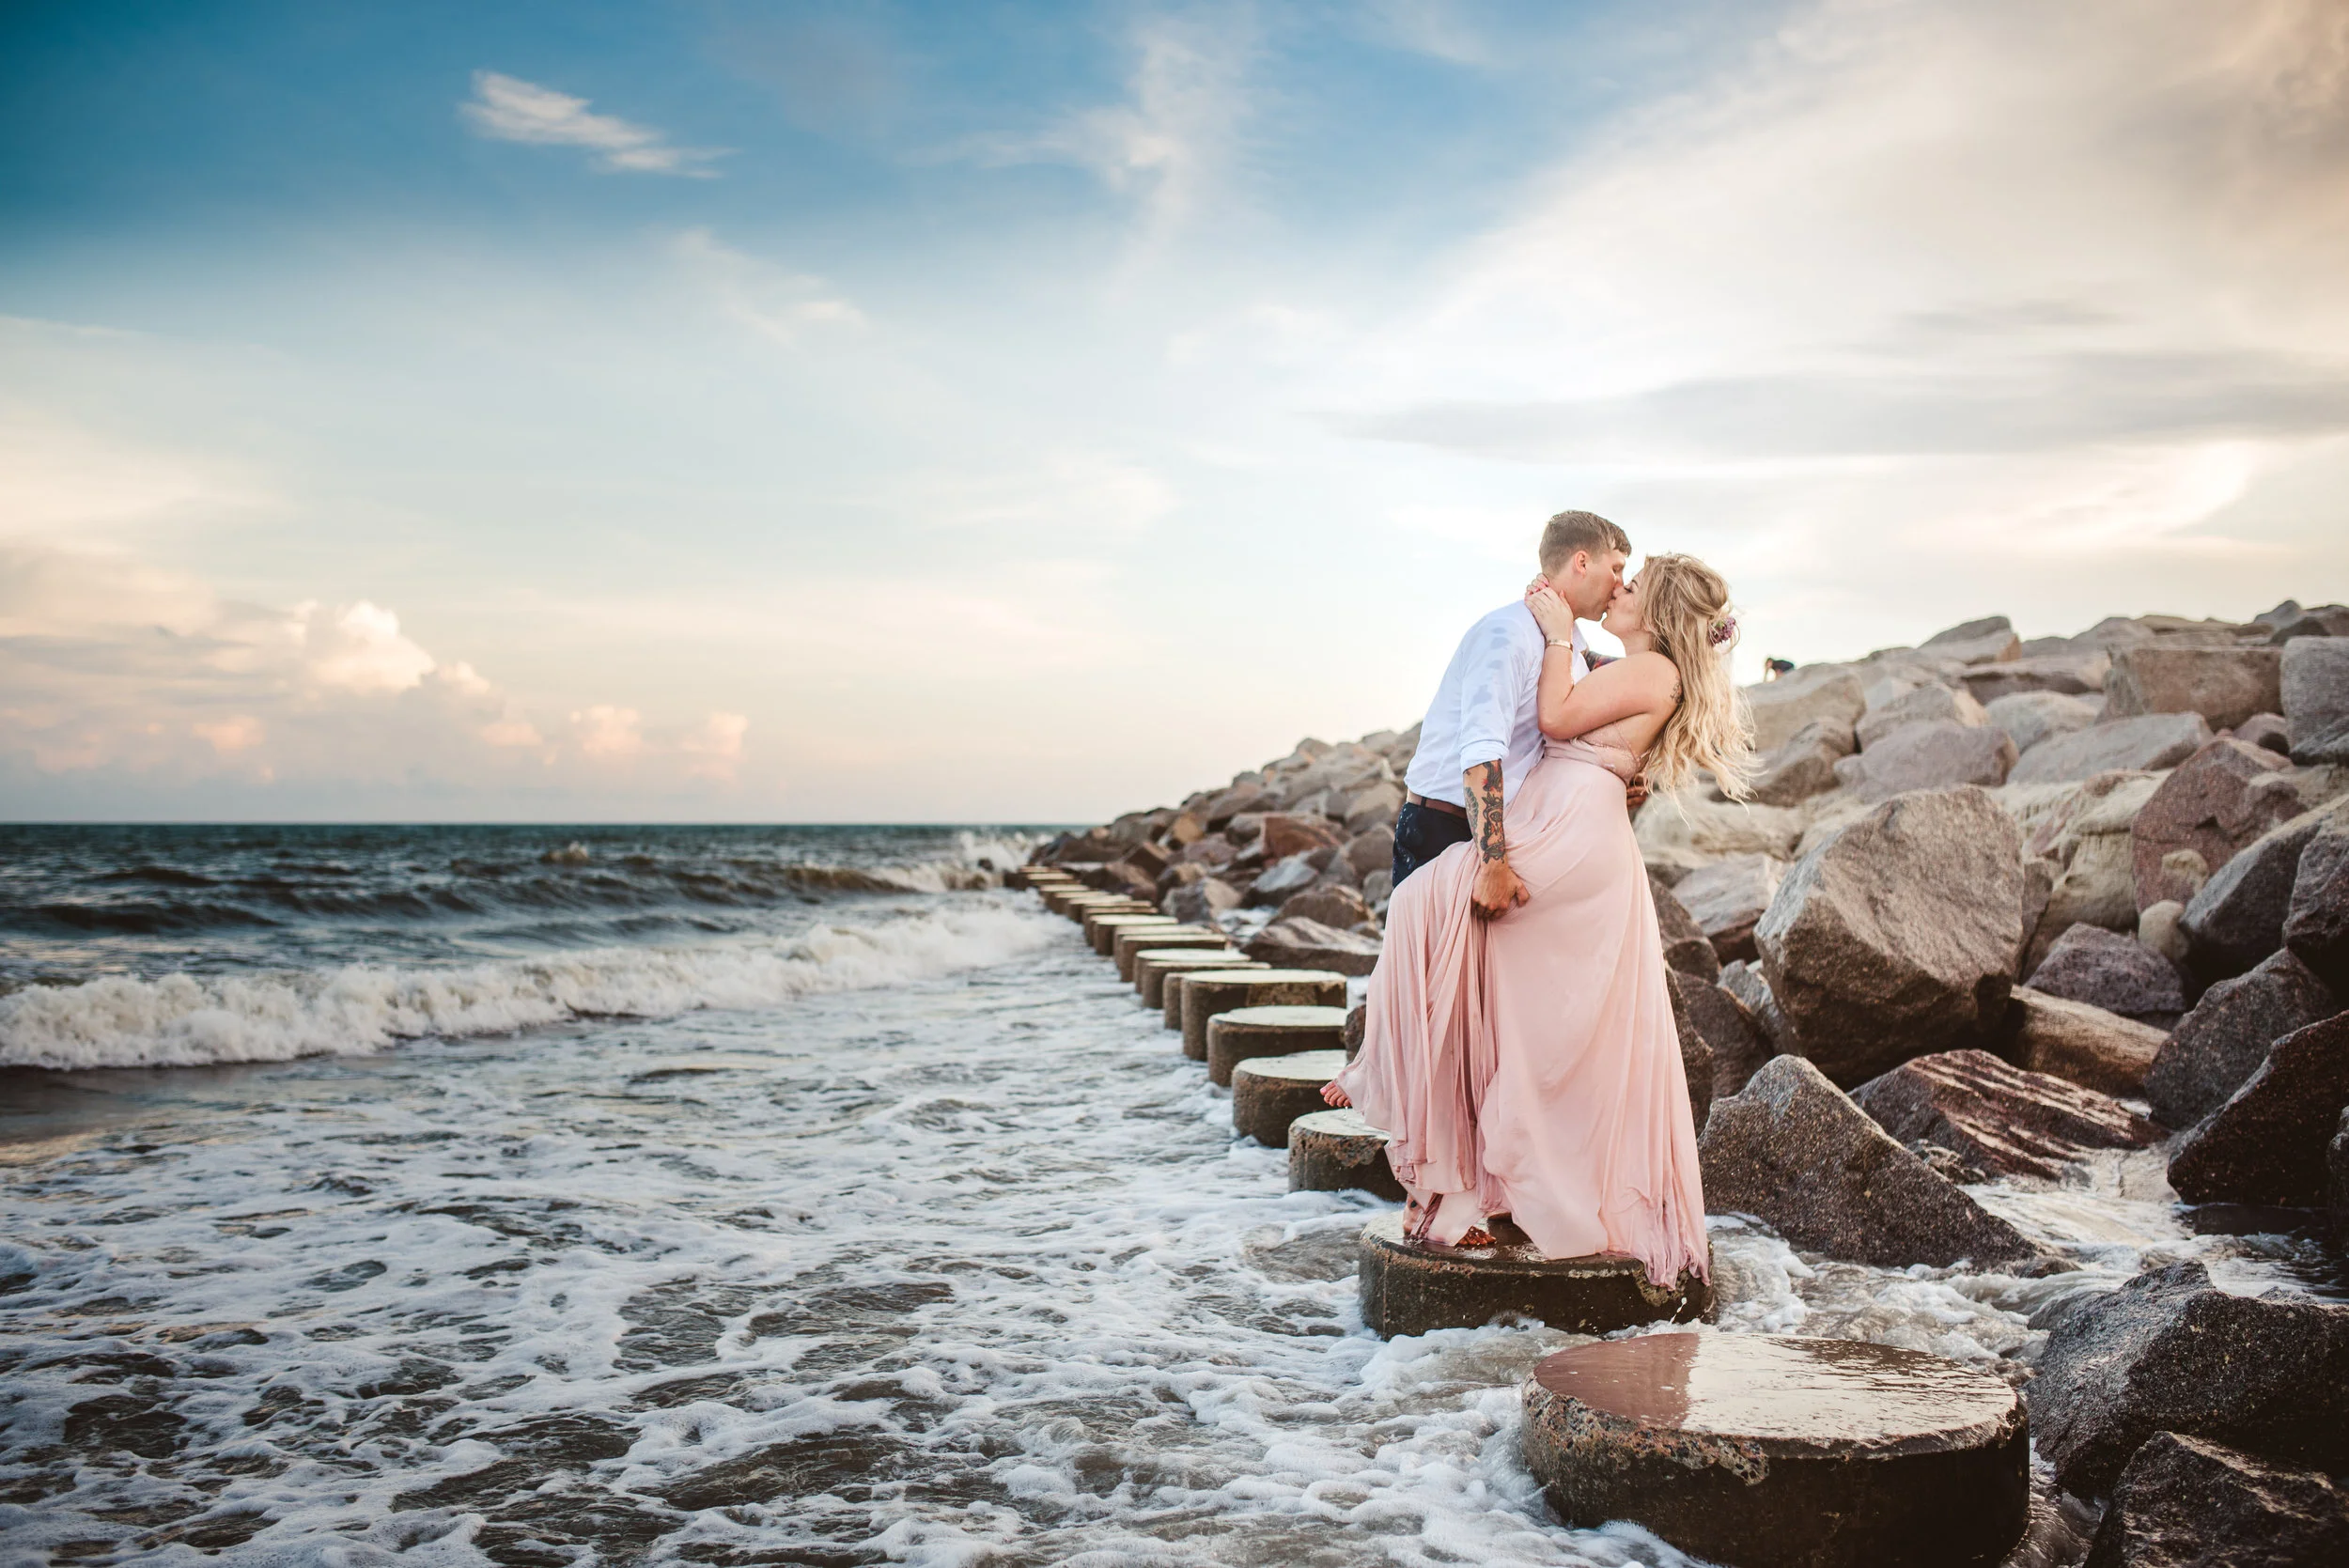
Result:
[{"x": 1421, "y": 834}]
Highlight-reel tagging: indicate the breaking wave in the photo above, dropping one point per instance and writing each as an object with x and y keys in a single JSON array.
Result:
[{"x": 357, "y": 1009}]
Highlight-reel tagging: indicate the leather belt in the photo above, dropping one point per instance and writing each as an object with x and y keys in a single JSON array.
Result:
[{"x": 1416, "y": 798}]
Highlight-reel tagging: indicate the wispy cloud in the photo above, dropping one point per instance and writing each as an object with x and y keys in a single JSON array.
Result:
[
  {"x": 508, "y": 109},
  {"x": 777, "y": 303},
  {"x": 1170, "y": 137}
]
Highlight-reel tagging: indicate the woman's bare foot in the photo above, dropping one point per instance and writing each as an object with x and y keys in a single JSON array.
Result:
[
  {"x": 1476, "y": 1236},
  {"x": 1332, "y": 1094}
]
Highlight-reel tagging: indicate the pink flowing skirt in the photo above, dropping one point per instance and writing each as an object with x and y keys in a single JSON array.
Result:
[{"x": 1529, "y": 1065}]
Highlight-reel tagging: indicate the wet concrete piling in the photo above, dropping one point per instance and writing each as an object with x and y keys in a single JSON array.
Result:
[{"x": 1774, "y": 1453}]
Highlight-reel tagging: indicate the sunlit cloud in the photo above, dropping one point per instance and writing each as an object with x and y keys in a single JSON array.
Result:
[{"x": 508, "y": 109}]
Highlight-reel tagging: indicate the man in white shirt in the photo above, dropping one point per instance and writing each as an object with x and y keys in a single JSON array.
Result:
[{"x": 1482, "y": 734}]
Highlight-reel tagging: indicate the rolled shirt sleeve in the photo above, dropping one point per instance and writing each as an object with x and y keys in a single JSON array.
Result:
[{"x": 1491, "y": 696}]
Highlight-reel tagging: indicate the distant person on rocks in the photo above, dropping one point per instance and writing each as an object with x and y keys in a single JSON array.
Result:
[{"x": 1520, "y": 1050}]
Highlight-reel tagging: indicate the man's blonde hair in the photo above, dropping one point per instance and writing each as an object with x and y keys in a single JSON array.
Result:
[{"x": 1571, "y": 531}]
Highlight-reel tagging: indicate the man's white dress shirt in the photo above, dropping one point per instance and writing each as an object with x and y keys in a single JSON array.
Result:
[{"x": 1485, "y": 706}]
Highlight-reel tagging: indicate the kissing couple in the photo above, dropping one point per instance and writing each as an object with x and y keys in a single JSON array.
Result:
[{"x": 1520, "y": 1050}]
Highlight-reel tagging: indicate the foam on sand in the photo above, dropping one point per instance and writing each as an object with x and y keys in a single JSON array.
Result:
[{"x": 186, "y": 1020}]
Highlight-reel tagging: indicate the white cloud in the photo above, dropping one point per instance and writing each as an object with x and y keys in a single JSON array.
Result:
[
  {"x": 1171, "y": 137},
  {"x": 606, "y": 732},
  {"x": 1921, "y": 294},
  {"x": 507, "y": 109},
  {"x": 778, "y": 304},
  {"x": 358, "y": 647}
]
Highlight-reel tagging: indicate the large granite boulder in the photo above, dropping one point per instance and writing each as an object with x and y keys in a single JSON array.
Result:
[
  {"x": 1815, "y": 691},
  {"x": 2088, "y": 828},
  {"x": 2219, "y": 1043},
  {"x": 2268, "y": 1143},
  {"x": 2210, "y": 809},
  {"x": 1805, "y": 765},
  {"x": 1736, "y": 1037},
  {"x": 1340, "y": 906},
  {"x": 2188, "y": 1502},
  {"x": 2031, "y": 717},
  {"x": 1297, "y": 943},
  {"x": 2225, "y": 686},
  {"x": 1372, "y": 849},
  {"x": 1998, "y": 1117},
  {"x": 2142, "y": 744},
  {"x": 2115, "y": 972},
  {"x": 2238, "y": 919},
  {"x": 2052, "y": 671},
  {"x": 2316, "y": 921},
  {"x": 1988, "y": 640},
  {"x": 1898, "y": 936},
  {"x": 1247, "y": 797},
  {"x": 2094, "y": 1049},
  {"x": 2170, "y": 1352},
  {"x": 1693, "y": 831},
  {"x": 1935, "y": 704},
  {"x": 1287, "y": 834},
  {"x": 2315, "y": 693},
  {"x": 1726, "y": 899},
  {"x": 1752, "y": 987},
  {"x": 1932, "y": 755},
  {"x": 1696, "y": 1051},
  {"x": 2267, "y": 731},
  {"x": 2326, "y": 620},
  {"x": 1796, "y": 1153},
  {"x": 1687, "y": 947},
  {"x": 1198, "y": 902}
]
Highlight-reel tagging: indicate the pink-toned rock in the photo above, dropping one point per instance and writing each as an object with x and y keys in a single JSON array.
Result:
[
  {"x": 1898, "y": 935},
  {"x": 1198, "y": 902},
  {"x": 1286, "y": 834},
  {"x": 2115, "y": 972},
  {"x": 2094, "y": 1049},
  {"x": 2003, "y": 1119},
  {"x": 2205, "y": 813},
  {"x": 2226, "y": 686},
  {"x": 1307, "y": 944},
  {"x": 1342, "y": 907}
]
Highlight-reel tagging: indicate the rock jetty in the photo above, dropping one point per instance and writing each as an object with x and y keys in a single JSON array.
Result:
[{"x": 2001, "y": 908}]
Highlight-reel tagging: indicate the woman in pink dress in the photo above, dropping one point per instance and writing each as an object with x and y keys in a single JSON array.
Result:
[{"x": 1526, "y": 1067}]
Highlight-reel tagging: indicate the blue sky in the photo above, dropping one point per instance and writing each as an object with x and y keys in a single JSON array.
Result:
[{"x": 1000, "y": 412}]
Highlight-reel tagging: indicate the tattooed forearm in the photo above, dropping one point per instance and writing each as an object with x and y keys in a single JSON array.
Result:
[{"x": 1483, "y": 805}]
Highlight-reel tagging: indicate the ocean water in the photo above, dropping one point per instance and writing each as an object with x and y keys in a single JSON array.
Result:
[{"x": 743, "y": 1196}]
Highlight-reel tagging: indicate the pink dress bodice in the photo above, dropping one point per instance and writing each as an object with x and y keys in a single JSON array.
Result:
[{"x": 1603, "y": 747}]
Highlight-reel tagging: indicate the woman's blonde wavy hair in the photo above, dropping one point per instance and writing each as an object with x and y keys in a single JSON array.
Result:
[{"x": 1686, "y": 605}]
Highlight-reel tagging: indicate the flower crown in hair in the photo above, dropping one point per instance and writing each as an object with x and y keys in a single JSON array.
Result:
[{"x": 1723, "y": 630}]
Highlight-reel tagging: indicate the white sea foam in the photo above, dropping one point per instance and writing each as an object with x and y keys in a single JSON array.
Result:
[
  {"x": 972, "y": 1269},
  {"x": 185, "y": 1020}
]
